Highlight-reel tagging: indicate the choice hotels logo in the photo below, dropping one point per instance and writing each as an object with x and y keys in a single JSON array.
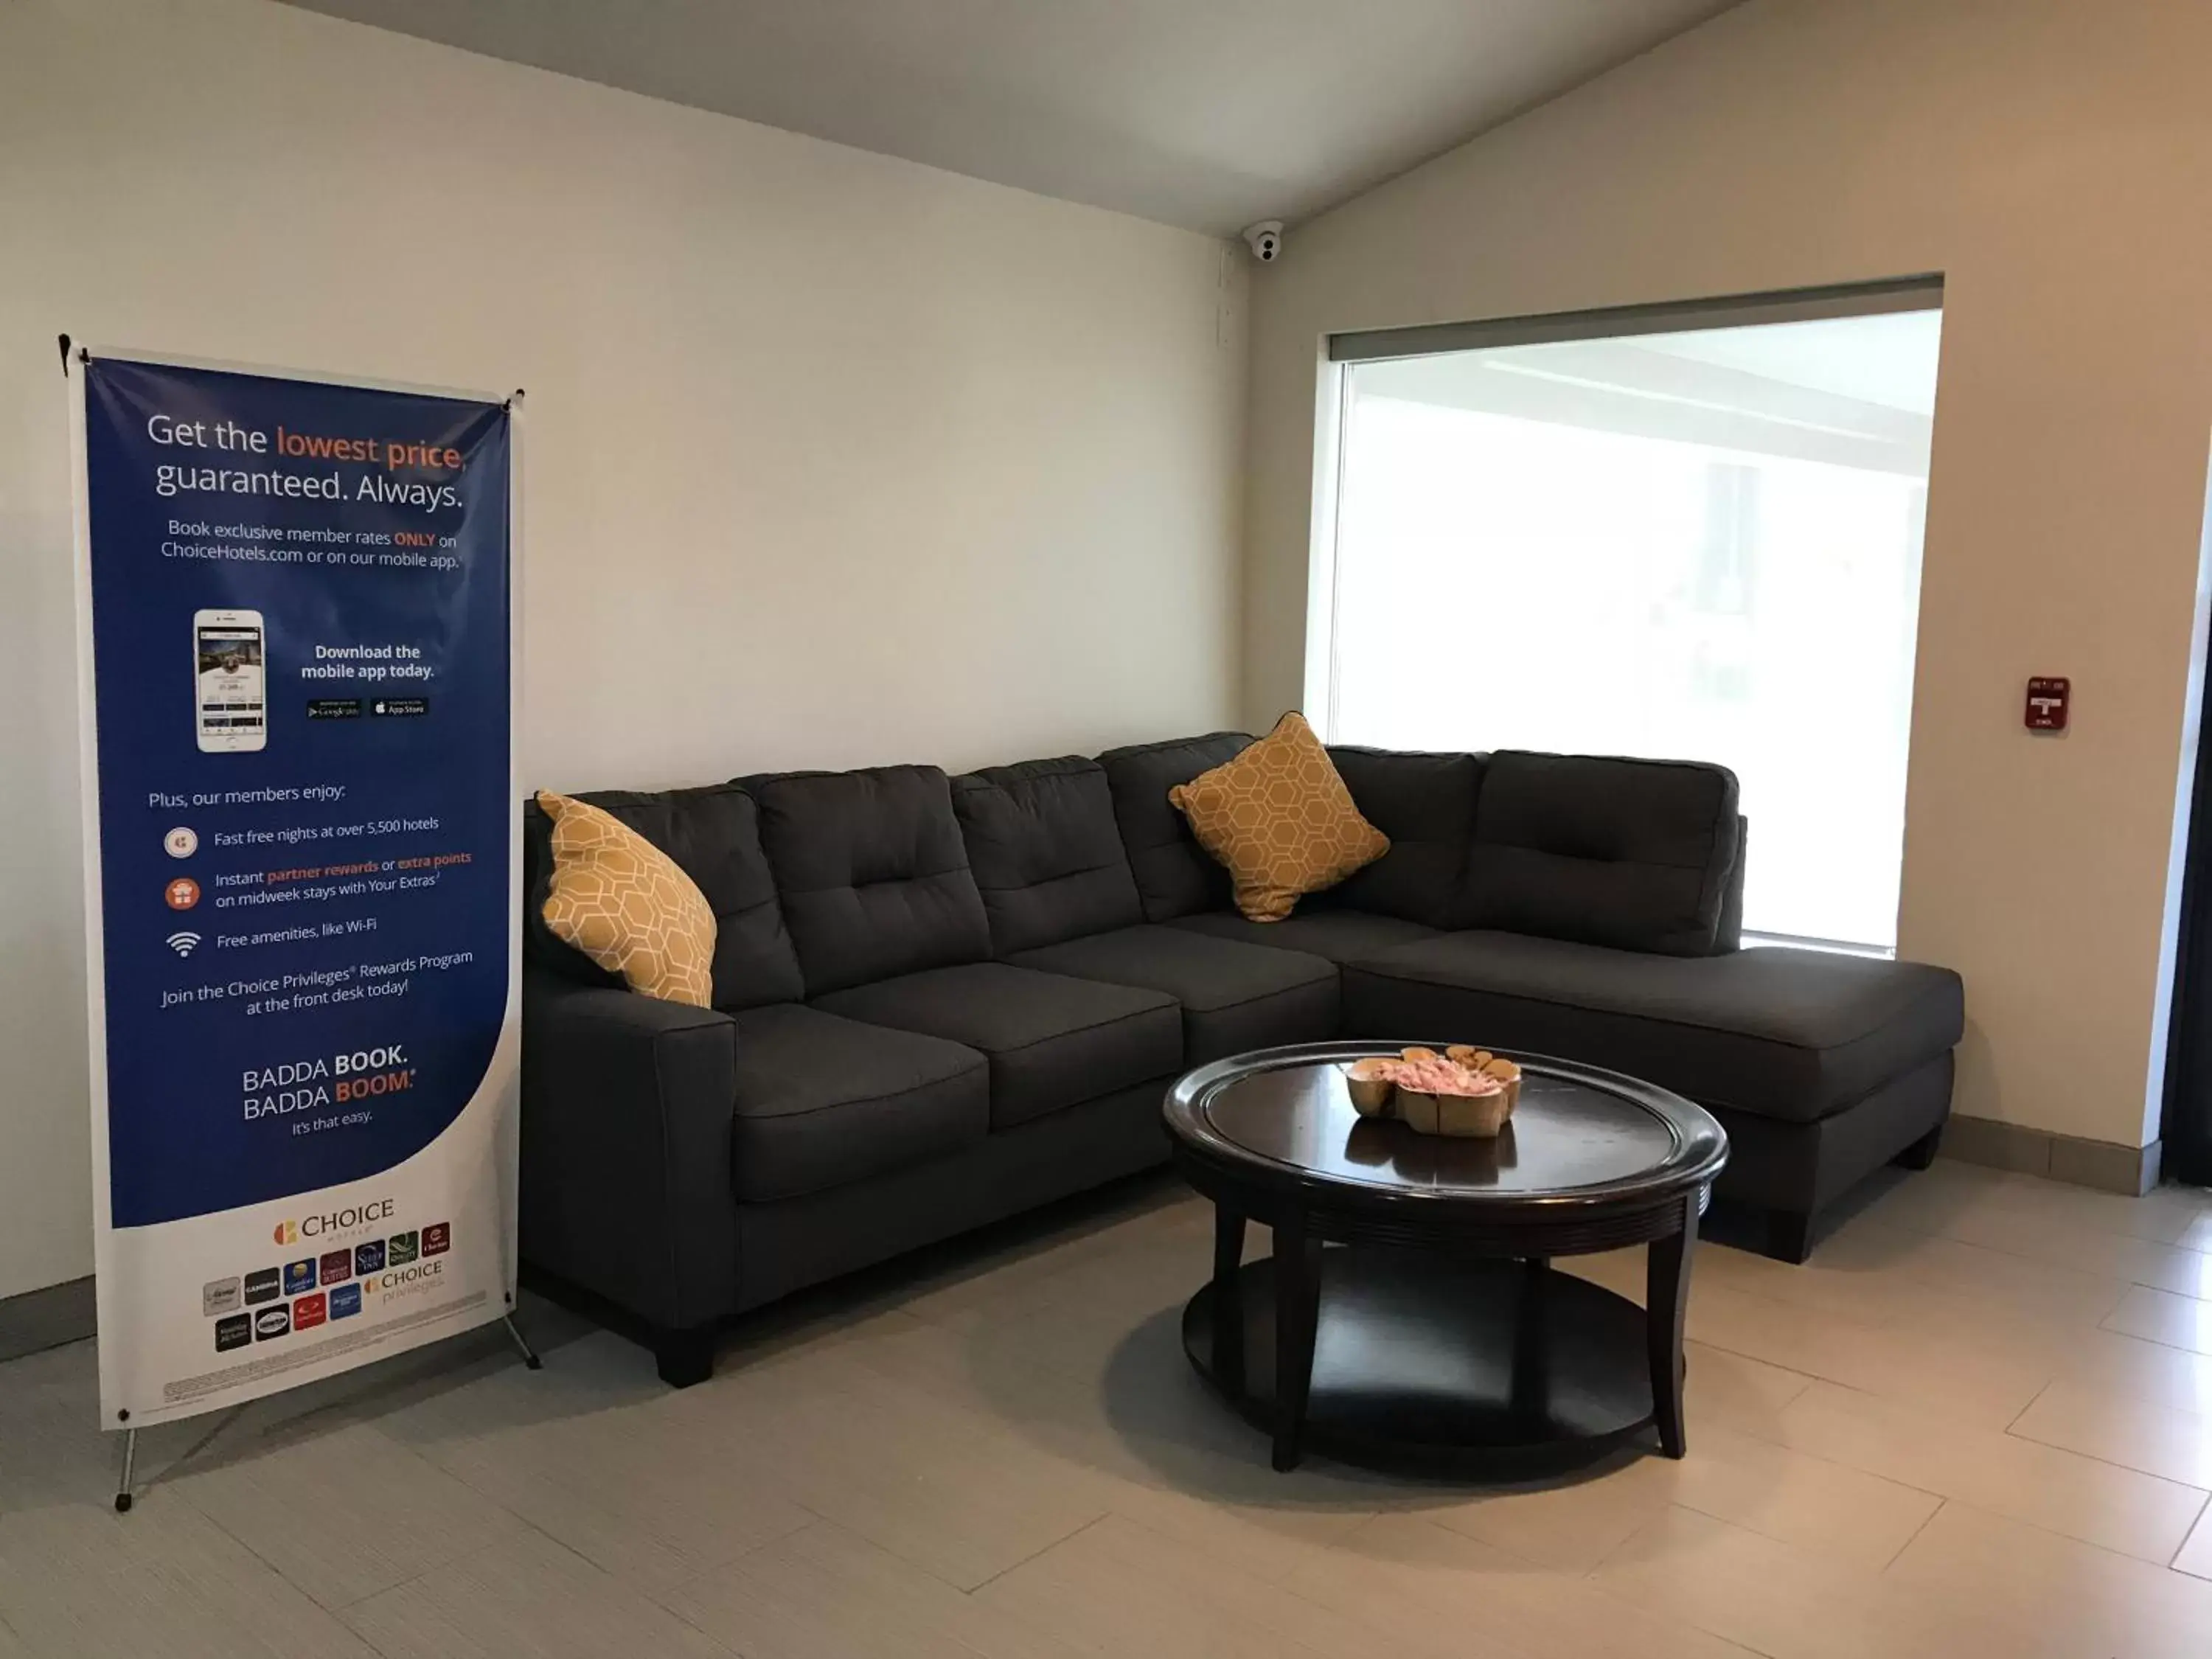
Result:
[{"x": 334, "y": 1223}]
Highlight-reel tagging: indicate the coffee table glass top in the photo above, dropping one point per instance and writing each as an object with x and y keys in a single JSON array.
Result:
[{"x": 1565, "y": 1134}]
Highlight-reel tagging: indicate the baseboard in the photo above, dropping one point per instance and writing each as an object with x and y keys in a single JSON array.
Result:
[
  {"x": 46, "y": 1318},
  {"x": 2079, "y": 1162}
]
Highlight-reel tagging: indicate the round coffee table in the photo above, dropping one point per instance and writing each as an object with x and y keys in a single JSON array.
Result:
[{"x": 1433, "y": 1336}]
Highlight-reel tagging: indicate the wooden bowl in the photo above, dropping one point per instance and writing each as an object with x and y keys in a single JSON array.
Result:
[
  {"x": 1370, "y": 1095},
  {"x": 1466, "y": 1117}
]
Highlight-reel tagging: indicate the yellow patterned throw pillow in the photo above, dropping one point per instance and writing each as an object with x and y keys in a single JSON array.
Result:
[
  {"x": 1280, "y": 820},
  {"x": 627, "y": 905}
]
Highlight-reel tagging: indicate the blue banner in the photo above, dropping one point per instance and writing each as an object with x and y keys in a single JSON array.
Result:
[{"x": 300, "y": 610}]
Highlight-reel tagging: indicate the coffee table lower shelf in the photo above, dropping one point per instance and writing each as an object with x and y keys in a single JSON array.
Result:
[{"x": 1427, "y": 1365}]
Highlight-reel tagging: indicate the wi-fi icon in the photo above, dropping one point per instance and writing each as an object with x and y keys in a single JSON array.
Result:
[{"x": 182, "y": 943}]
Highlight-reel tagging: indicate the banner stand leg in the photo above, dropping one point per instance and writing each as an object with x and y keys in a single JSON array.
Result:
[
  {"x": 129, "y": 1458},
  {"x": 530, "y": 1359}
]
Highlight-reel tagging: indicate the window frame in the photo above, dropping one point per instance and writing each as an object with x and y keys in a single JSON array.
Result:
[
  {"x": 1333, "y": 409},
  {"x": 1870, "y": 299}
]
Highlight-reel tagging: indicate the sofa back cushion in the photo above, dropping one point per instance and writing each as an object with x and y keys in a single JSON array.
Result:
[
  {"x": 713, "y": 835},
  {"x": 1175, "y": 875},
  {"x": 873, "y": 872},
  {"x": 1425, "y": 805},
  {"x": 1045, "y": 852},
  {"x": 1728, "y": 935},
  {"x": 1632, "y": 853}
]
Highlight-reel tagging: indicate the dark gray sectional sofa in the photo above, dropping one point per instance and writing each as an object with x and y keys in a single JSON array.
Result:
[{"x": 940, "y": 1000}]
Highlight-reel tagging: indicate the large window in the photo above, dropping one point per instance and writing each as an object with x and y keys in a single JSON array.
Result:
[{"x": 1702, "y": 543}]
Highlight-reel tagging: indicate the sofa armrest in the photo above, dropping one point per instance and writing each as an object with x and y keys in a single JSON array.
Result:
[{"x": 626, "y": 1182}]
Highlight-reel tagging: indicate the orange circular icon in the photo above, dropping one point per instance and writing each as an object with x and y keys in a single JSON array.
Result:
[{"x": 182, "y": 894}]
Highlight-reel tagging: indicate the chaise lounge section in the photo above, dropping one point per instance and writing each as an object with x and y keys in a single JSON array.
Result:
[{"x": 938, "y": 1001}]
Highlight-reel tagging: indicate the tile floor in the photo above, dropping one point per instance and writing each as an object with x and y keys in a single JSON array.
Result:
[{"x": 1979, "y": 1423}]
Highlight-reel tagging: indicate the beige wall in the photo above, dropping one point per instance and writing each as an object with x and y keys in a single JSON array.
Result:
[
  {"x": 829, "y": 458},
  {"x": 2053, "y": 158}
]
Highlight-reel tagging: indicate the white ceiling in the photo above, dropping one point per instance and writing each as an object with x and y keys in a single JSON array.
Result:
[{"x": 1205, "y": 113}]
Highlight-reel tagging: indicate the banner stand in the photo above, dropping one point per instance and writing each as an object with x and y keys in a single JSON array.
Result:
[
  {"x": 302, "y": 852},
  {"x": 530, "y": 1362}
]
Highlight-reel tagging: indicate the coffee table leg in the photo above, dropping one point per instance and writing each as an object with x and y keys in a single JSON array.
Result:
[
  {"x": 1228, "y": 1298},
  {"x": 1666, "y": 1301},
  {"x": 1298, "y": 1310},
  {"x": 1532, "y": 1373}
]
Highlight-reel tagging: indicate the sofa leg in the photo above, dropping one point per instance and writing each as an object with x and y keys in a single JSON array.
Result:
[
  {"x": 1789, "y": 1236},
  {"x": 1922, "y": 1152},
  {"x": 685, "y": 1358}
]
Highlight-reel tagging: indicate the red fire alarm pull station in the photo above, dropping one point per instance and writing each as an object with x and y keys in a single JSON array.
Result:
[{"x": 2046, "y": 704}]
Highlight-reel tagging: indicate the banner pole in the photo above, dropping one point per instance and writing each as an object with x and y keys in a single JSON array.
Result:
[
  {"x": 530, "y": 1359},
  {"x": 130, "y": 1459}
]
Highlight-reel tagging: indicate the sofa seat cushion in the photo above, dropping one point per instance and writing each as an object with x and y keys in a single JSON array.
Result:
[
  {"x": 1052, "y": 1041},
  {"x": 1235, "y": 996},
  {"x": 822, "y": 1102},
  {"x": 1340, "y": 936},
  {"x": 1786, "y": 1033}
]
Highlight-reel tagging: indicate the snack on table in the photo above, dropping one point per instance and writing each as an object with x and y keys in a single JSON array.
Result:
[
  {"x": 1443, "y": 1076},
  {"x": 1466, "y": 1091}
]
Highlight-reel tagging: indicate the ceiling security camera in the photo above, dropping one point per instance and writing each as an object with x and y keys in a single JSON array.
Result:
[{"x": 1267, "y": 240}]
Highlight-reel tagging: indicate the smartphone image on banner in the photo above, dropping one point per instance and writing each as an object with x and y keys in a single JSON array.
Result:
[{"x": 230, "y": 690}]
